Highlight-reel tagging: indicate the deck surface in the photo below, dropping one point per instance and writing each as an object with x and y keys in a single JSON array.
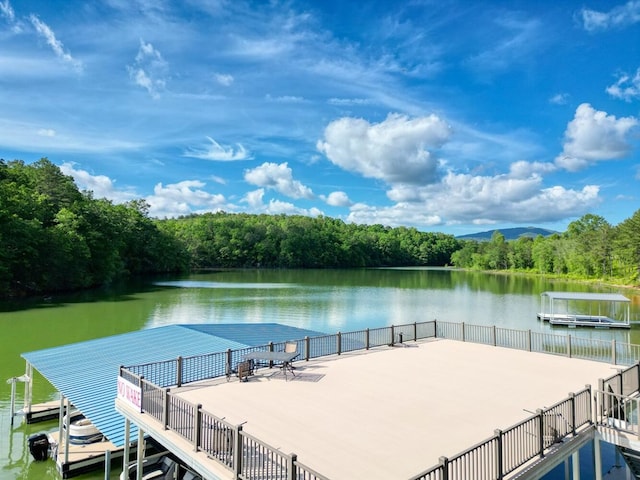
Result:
[{"x": 391, "y": 412}]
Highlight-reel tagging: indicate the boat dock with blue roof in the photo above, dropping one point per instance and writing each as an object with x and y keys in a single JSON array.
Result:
[{"x": 86, "y": 373}]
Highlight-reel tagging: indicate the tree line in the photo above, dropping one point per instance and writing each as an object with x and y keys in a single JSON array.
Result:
[
  {"x": 590, "y": 248},
  {"x": 54, "y": 237}
]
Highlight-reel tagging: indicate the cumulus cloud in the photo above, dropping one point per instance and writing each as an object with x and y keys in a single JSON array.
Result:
[
  {"x": 627, "y": 87},
  {"x": 338, "y": 199},
  {"x": 101, "y": 185},
  {"x": 149, "y": 70},
  {"x": 395, "y": 150},
  {"x": 56, "y": 45},
  {"x": 180, "y": 199},
  {"x": 218, "y": 152},
  {"x": 618, "y": 17},
  {"x": 464, "y": 198},
  {"x": 593, "y": 136},
  {"x": 278, "y": 177}
]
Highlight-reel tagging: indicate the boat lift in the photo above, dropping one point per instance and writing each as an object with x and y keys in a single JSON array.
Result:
[{"x": 559, "y": 308}]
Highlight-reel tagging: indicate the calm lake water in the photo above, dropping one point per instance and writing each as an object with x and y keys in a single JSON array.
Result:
[{"x": 324, "y": 300}]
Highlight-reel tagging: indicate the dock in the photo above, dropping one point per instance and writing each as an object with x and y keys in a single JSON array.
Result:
[
  {"x": 43, "y": 412},
  {"x": 577, "y": 309},
  {"x": 84, "y": 458}
]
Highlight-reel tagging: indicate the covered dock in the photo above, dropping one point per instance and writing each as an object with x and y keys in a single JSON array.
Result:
[
  {"x": 579, "y": 309},
  {"x": 86, "y": 373}
]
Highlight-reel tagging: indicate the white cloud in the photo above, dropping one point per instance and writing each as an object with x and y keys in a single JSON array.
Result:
[
  {"x": 180, "y": 198},
  {"x": 626, "y": 87},
  {"x": 7, "y": 11},
  {"x": 618, "y": 17},
  {"x": 56, "y": 45},
  {"x": 284, "y": 99},
  {"x": 524, "y": 169},
  {"x": 559, "y": 99},
  {"x": 338, "y": 199},
  {"x": 394, "y": 150},
  {"x": 101, "y": 185},
  {"x": 592, "y": 136},
  {"x": 254, "y": 198},
  {"x": 150, "y": 70},
  {"x": 223, "y": 79},
  {"x": 463, "y": 198},
  {"x": 47, "y": 132},
  {"x": 279, "y": 178},
  {"x": 219, "y": 152},
  {"x": 349, "y": 102}
]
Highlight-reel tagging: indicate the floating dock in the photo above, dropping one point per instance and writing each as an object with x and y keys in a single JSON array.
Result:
[
  {"x": 43, "y": 412},
  {"x": 83, "y": 458},
  {"x": 577, "y": 309}
]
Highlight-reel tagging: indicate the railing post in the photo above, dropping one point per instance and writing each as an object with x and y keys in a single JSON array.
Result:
[
  {"x": 435, "y": 328},
  {"x": 366, "y": 339},
  {"x": 601, "y": 389},
  {"x": 165, "y": 408},
  {"x": 292, "y": 473},
  {"x": 591, "y": 402},
  {"x": 179, "y": 372},
  {"x": 271, "y": 350},
  {"x": 541, "y": 431},
  {"x": 307, "y": 348},
  {"x": 444, "y": 462},
  {"x": 196, "y": 427},
  {"x": 339, "y": 342},
  {"x": 613, "y": 352},
  {"x": 493, "y": 336},
  {"x": 393, "y": 335},
  {"x": 569, "y": 346},
  {"x": 237, "y": 452},
  {"x": 572, "y": 397},
  {"x": 415, "y": 331},
  {"x": 227, "y": 369},
  {"x": 141, "y": 386},
  {"x": 463, "y": 333},
  {"x": 529, "y": 340},
  {"x": 499, "y": 453}
]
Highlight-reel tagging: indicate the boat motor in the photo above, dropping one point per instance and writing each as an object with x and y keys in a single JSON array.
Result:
[{"x": 39, "y": 446}]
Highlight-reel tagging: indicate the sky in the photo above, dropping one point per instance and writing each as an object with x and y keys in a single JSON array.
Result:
[{"x": 447, "y": 116}]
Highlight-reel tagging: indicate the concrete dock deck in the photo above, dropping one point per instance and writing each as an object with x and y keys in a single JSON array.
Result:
[{"x": 391, "y": 412}]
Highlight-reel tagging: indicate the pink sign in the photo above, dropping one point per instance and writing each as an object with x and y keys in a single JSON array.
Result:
[{"x": 130, "y": 393}]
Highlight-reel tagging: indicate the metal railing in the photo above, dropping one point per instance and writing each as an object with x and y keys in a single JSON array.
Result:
[{"x": 249, "y": 458}]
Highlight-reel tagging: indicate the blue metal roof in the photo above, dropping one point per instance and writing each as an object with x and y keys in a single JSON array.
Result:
[{"x": 87, "y": 372}]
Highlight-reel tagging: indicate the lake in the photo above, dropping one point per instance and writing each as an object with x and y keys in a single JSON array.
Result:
[{"x": 323, "y": 300}]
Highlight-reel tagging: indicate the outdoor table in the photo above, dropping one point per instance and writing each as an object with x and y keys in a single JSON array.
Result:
[{"x": 282, "y": 358}]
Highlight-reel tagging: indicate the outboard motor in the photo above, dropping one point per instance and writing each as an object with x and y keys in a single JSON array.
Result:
[{"x": 39, "y": 446}]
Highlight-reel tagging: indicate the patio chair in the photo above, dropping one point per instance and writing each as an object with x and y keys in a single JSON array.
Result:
[{"x": 290, "y": 347}]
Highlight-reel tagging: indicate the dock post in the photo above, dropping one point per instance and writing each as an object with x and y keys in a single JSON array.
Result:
[
  {"x": 140, "y": 454},
  {"x": 60, "y": 420},
  {"x": 66, "y": 433},
  {"x": 107, "y": 464},
  {"x": 13, "y": 398},
  {"x": 127, "y": 445},
  {"x": 28, "y": 389}
]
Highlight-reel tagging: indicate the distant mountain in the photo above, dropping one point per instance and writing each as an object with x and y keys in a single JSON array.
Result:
[{"x": 509, "y": 233}]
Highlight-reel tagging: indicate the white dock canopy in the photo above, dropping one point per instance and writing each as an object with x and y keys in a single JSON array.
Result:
[
  {"x": 596, "y": 297},
  {"x": 610, "y": 302}
]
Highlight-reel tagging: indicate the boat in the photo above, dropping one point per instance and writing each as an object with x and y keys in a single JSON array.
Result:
[
  {"x": 577, "y": 309},
  {"x": 160, "y": 467},
  {"x": 81, "y": 430}
]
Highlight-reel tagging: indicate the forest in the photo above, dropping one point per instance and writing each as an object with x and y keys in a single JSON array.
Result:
[
  {"x": 57, "y": 238},
  {"x": 54, "y": 237},
  {"x": 590, "y": 248}
]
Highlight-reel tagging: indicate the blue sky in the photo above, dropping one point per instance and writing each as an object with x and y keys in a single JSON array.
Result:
[{"x": 448, "y": 116}]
